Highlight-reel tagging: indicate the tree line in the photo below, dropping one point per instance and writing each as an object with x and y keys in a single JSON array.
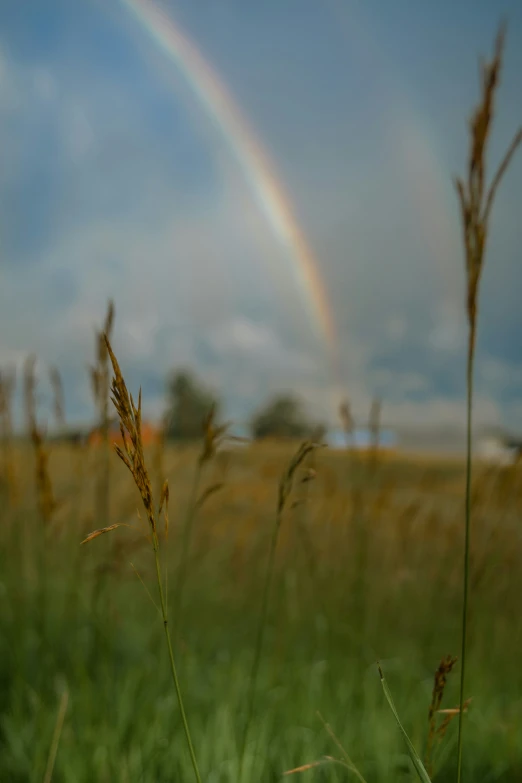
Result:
[{"x": 189, "y": 402}]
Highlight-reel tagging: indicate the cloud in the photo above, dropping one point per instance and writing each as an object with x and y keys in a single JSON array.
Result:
[
  {"x": 244, "y": 339},
  {"x": 242, "y": 336}
]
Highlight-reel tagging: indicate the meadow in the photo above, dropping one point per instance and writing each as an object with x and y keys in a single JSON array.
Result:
[
  {"x": 368, "y": 567},
  {"x": 285, "y": 591}
]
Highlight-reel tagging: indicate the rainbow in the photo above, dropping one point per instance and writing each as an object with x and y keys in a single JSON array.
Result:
[{"x": 257, "y": 169}]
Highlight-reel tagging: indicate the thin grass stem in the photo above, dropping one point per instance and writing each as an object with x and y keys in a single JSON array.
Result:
[
  {"x": 53, "y": 750},
  {"x": 181, "y": 579},
  {"x": 259, "y": 639},
  {"x": 463, "y": 653},
  {"x": 173, "y": 669}
]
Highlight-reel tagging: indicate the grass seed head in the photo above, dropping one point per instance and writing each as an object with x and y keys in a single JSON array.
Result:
[
  {"x": 441, "y": 675},
  {"x": 59, "y": 401},
  {"x": 213, "y": 435},
  {"x": 131, "y": 453},
  {"x": 286, "y": 482},
  {"x": 475, "y": 201},
  {"x": 434, "y": 733}
]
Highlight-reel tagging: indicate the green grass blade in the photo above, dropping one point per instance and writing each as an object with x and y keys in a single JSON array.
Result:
[{"x": 417, "y": 763}]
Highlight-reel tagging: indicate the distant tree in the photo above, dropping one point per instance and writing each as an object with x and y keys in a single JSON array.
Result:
[
  {"x": 282, "y": 417},
  {"x": 189, "y": 405}
]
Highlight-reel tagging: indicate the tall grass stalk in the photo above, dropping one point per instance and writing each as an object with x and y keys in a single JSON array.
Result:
[
  {"x": 132, "y": 456},
  {"x": 101, "y": 386},
  {"x": 476, "y": 204},
  {"x": 173, "y": 669},
  {"x": 345, "y": 762},
  {"x": 414, "y": 756},
  {"x": 100, "y": 380},
  {"x": 285, "y": 488},
  {"x": 53, "y": 750},
  {"x": 186, "y": 538},
  {"x": 358, "y": 529},
  {"x": 44, "y": 489},
  {"x": 59, "y": 400},
  {"x": 7, "y": 384},
  {"x": 213, "y": 436}
]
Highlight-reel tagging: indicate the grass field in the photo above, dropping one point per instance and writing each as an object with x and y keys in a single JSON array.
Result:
[{"x": 368, "y": 567}]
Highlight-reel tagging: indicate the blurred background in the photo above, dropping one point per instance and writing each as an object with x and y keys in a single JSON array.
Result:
[{"x": 316, "y": 144}]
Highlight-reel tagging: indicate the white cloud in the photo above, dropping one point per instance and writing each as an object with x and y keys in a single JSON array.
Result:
[
  {"x": 436, "y": 411},
  {"x": 402, "y": 383},
  {"x": 442, "y": 412},
  {"x": 242, "y": 335}
]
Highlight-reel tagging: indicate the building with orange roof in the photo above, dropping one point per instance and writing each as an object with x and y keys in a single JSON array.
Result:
[{"x": 150, "y": 434}]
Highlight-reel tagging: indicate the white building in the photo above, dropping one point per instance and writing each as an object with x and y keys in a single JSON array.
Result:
[{"x": 498, "y": 449}]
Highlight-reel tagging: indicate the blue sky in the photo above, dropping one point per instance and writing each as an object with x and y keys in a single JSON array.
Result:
[{"x": 115, "y": 182}]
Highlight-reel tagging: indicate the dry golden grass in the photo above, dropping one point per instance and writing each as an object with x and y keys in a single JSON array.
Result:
[
  {"x": 409, "y": 534},
  {"x": 409, "y": 503}
]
